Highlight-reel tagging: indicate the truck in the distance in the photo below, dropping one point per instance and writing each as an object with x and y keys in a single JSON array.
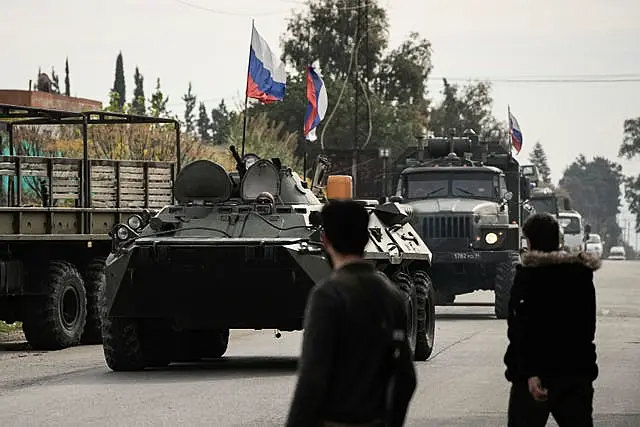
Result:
[
  {"x": 53, "y": 258},
  {"x": 466, "y": 197}
]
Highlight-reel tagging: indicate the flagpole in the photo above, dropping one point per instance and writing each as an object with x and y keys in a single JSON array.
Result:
[
  {"x": 510, "y": 140},
  {"x": 246, "y": 91}
]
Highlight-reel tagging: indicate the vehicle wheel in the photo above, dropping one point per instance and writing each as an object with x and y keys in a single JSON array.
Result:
[
  {"x": 201, "y": 344},
  {"x": 122, "y": 344},
  {"x": 94, "y": 281},
  {"x": 57, "y": 319},
  {"x": 505, "y": 273},
  {"x": 426, "y": 316},
  {"x": 407, "y": 286}
]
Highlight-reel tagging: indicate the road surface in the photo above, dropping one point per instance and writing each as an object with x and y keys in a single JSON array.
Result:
[{"x": 461, "y": 385}]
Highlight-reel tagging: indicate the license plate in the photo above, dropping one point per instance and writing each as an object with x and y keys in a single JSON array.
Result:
[{"x": 465, "y": 256}]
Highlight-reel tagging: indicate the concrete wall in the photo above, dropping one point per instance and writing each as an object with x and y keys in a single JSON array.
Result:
[{"x": 53, "y": 101}]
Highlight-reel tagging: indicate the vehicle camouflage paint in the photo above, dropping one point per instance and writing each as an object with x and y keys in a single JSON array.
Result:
[
  {"x": 466, "y": 195},
  {"x": 241, "y": 250}
]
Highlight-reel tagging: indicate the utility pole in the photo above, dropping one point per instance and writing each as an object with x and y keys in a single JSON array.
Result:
[{"x": 356, "y": 86}]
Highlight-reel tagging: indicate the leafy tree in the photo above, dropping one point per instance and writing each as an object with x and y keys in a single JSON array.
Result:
[
  {"x": 119, "y": 85},
  {"x": 221, "y": 120},
  {"x": 203, "y": 125},
  {"x": 67, "y": 84},
  {"x": 158, "y": 102},
  {"x": 538, "y": 158},
  {"x": 328, "y": 31},
  {"x": 629, "y": 149},
  {"x": 55, "y": 81},
  {"x": 594, "y": 187},
  {"x": 469, "y": 108},
  {"x": 189, "y": 105},
  {"x": 138, "y": 102}
]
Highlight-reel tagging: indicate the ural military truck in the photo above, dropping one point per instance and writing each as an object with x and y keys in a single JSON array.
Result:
[
  {"x": 543, "y": 199},
  {"x": 52, "y": 258},
  {"x": 241, "y": 250},
  {"x": 466, "y": 198}
]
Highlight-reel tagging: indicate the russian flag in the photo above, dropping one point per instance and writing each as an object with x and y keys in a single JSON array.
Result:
[
  {"x": 515, "y": 132},
  {"x": 267, "y": 77},
  {"x": 318, "y": 103}
]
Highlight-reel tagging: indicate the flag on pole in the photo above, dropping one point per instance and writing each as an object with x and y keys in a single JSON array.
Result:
[
  {"x": 515, "y": 133},
  {"x": 318, "y": 102},
  {"x": 267, "y": 78}
]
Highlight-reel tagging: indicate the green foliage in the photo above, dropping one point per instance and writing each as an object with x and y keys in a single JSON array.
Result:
[
  {"x": 265, "y": 138},
  {"x": 328, "y": 31},
  {"x": 189, "y": 105},
  {"x": 221, "y": 119},
  {"x": 138, "y": 102},
  {"x": 469, "y": 108},
  {"x": 158, "y": 102},
  {"x": 55, "y": 81},
  {"x": 538, "y": 158},
  {"x": 629, "y": 149},
  {"x": 67, "y": 83},
  {"x": 119, "y": 84},
  {"x": 203, "y": 125},
  {"x": 594, "y": 187}
]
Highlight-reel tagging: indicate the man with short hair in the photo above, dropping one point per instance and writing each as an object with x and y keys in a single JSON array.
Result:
[
  {"x": 347, "y": 361},
  {"x": 551, "y": 356}
]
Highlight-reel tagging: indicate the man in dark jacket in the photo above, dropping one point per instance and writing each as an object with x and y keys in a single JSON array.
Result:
[
  {"x": 551, "y": 357},
  {"x": 348, "y": 348}
]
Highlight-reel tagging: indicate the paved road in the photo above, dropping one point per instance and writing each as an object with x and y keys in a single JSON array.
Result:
[{"x": 462, "y": 385}]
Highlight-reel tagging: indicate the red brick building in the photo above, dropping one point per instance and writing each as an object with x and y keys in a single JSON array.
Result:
[{"x": 37, "y": 99}]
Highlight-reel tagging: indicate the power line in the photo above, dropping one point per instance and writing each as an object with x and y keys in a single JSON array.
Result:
[
  {"x": 539, "y": 80},
  {"x": 226, "y": 12}
]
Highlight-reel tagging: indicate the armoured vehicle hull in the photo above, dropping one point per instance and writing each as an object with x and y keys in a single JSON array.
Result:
[{"x": 244, "y": 257}]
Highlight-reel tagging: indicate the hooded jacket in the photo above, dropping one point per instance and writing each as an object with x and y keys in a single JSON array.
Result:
[{"x": 552, "y": 318}]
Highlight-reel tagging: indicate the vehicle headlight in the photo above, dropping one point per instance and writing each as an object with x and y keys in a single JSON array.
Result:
[
  {"x": 135, "y": 222},
  {"x": 491, "y": 238},
  {"x": 122, "y": 233}
]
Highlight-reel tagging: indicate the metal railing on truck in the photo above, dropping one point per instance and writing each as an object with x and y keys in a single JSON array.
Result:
[{"x": 104, "y": 192}]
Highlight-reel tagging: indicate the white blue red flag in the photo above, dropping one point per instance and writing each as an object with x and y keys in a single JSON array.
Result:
[
  {"x": 515, "y": 133},
  {"x": 318, "y": 103},
  {"x": 267, "y": 77}
]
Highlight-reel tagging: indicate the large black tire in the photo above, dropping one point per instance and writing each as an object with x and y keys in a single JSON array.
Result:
[
  {"x": 196, "y": 345},
  {"x": 426, "y": 316},
  {"x": 407, "y": 286},
  {"x": 56, "y": 320},
  {"x": 505, "y": 273},
  {"x": 94, "y": 282},
  {"x": 122, "y": 344}
]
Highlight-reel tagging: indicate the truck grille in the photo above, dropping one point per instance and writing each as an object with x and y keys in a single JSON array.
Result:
[{"x": 446, "y": 227}]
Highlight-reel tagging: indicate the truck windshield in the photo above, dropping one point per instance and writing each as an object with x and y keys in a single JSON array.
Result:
[
  {"x": 425, "y": 185},
  {"x": 570, "y": 224},
  {"x": 544, "y": 205}
]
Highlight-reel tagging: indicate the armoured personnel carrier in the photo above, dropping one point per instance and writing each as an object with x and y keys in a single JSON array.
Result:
[
  {"x": 467, "y": 198},
  {"x": 241, "y": 250}
]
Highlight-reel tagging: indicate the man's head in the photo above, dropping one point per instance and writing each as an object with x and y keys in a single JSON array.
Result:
[
  {"x": 345, "y": 225},
  {"x": 542, "y": 232}
]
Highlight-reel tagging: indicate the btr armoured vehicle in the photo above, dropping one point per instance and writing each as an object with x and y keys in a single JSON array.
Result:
[
  {"x": 466, "y": 199},
  {"x": 242, "y": 250}
]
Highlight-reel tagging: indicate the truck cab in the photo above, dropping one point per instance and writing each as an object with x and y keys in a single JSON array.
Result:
[{"x": 466, "y": 199}]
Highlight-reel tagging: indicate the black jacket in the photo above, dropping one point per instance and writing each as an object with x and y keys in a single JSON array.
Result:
[
  {"x": 552, "y": 318},
  {"x": 345, "y": 363}
]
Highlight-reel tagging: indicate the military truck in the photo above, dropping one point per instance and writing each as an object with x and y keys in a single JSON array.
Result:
[
  {"x": 53, "y": 256},
  {"x": 466, "y": 197},
  {"x": 543, "y": 199},
  {"x": 242, "y": 251}
]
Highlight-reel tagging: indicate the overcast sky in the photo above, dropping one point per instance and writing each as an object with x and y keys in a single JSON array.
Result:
[{"x": 489, "y": 39}]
